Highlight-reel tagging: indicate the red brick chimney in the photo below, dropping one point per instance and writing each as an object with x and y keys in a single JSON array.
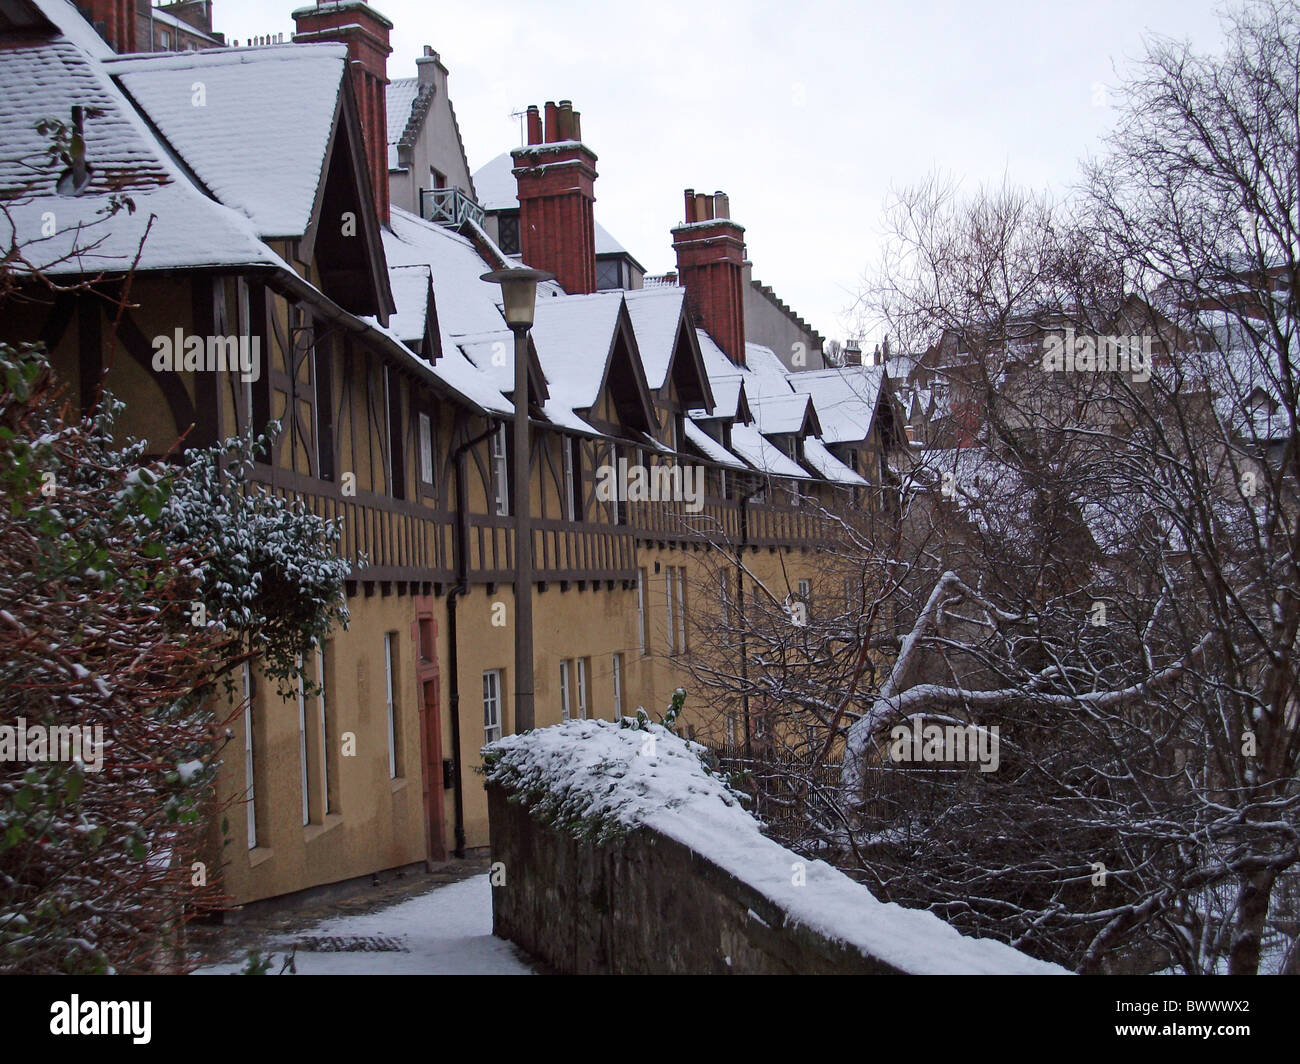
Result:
[
  {"x": 365, "y": 31},
  {"x": 711, "y": 264},
  {"x": 114, "y": 20},
  {"x": 556, "y": 174}
]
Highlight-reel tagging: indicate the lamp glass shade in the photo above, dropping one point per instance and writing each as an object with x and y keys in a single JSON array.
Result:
[{"x": 519, "y": 293}]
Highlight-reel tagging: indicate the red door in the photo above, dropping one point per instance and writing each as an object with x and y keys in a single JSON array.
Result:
[{"x": 426, "y": 670}]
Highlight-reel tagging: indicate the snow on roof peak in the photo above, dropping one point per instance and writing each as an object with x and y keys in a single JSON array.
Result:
[
  {"x": 257, "y": 130},
  {"x": 496, "y": 185}
]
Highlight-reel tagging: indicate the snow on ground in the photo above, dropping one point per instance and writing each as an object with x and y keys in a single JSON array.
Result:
[{"x": 447, "y": 931}]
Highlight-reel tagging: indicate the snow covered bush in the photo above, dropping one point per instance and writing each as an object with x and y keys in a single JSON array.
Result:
[
  {"x": 103, "y": 855},
  {"x": 267, "y": 566},
  {"x": 95, "y": 636}
]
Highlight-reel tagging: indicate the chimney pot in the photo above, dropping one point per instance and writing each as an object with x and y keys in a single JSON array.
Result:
[
  {"x": 557, "y": 225},
  {"x": 712, "y": 270}
]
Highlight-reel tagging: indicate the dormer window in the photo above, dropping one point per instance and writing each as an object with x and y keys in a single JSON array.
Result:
[{"x": 609, "y": 274}]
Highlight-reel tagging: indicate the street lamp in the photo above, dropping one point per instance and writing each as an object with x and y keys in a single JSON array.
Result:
[{"x": 519, "y": 292}]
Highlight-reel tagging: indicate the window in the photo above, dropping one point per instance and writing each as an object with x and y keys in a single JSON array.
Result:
[
  {"x": 390, "y": 695},
  {"x": 670, "y": 600},
  {"x": 324, "y": 412},
  {"x": 437, "y": 179},
  {"x": 243, "y": 315},
  {"x": 500, "y": 471},
  {"x": 302, "y": 748},
  {"x": 249, "y": 787},
  {"x": 805, "y": 591},
  {"x": 724, "y": 596},
  {"x": 326, "y": 732},
  {"x": 584, "y": 666},
  {"x": 640, "y": 611},
  {"x": 508, "y": 232},
  {"x": 681, "y": 609},
  {"x": 566, "y": 703},
  {"x": 426, "y": 449},
  {"x": 609, "y": 274},
  {"x": 393, "y": 412},
  {"x": 620, "y": 495},
  {"x": 492, "y": 705},
  {"x": 572, "y": 505},
  {"x": 618, "y": 686},
  {"x": 427, "y": 639}
]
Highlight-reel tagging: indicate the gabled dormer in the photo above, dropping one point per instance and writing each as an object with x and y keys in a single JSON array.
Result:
[
  {"x": 593, "y": 365},
  {"x": 671, "y": 356},
  {"x": 275, "y": 134}
]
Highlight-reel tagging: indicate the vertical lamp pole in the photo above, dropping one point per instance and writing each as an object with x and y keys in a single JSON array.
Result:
[{"x": 519, "y": 293}]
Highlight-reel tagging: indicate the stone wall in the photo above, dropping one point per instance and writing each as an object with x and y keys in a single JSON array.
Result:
[
  {"x": 617, "y": 851},
  {"x": 645, "y": 904}
]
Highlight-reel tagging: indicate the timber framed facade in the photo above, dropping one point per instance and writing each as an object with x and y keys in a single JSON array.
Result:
[{"x": 377, "y": 360}]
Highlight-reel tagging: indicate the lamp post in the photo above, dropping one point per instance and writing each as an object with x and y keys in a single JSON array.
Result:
[{"x": 519, "y": 292}]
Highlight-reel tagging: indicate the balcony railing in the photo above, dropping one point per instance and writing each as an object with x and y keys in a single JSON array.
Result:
[{"x": 449, "y": 207}]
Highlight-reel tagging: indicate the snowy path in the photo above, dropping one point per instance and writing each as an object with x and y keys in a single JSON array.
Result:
[{"x": 447, "y": 931}]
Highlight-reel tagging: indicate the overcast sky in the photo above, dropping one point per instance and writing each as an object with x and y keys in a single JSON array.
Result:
[{"x": 805, "y": 112}]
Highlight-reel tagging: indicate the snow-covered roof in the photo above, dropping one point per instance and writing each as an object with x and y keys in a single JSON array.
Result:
[
  {"x": 765, "y": 457},
  {"x": 574, "y": 335},
  {"x": 780, "y": 414},
  {"x": 711, "y": 448},
  {"x": 496, "y": 185},
  {"x": 606, "y": 244},
  {"x": 845, "y": 398},
  {"x": 656, "y": 316},
  {"x": 410, "y": 285},
  {"x": 400, "y": 99},
  {"x": 596, "y": 773},
  {"x": 258, "y": 139},
  {"x": 466, "y": 305},
  {"x": 44, "y": 80},
  {"x": 828, "y": 466}
]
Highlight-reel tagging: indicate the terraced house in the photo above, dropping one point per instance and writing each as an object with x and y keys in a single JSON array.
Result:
[{"x": 293, "y": 197}]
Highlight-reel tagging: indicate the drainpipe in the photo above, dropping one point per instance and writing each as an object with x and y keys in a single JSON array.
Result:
[
  {"x": 740, "y": 612},
  {"x": 461, "y": 543}
]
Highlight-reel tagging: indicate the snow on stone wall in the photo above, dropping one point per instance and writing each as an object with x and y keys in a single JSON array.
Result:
[{"x": 600, "y": 886}]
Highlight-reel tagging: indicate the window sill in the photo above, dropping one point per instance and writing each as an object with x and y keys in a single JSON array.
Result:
[
  {"x": 259, "y": 855},
  {"x": 398, "y": 783},
  {"x": 312, "y": 832}
]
